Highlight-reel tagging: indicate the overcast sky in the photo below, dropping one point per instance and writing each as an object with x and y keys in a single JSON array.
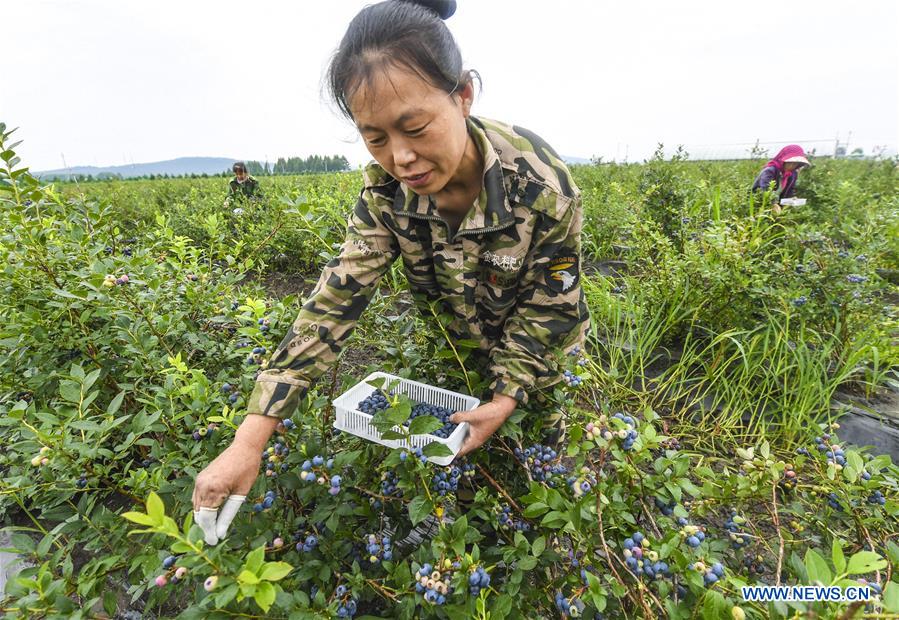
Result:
[{"x": 107, "y": 82}]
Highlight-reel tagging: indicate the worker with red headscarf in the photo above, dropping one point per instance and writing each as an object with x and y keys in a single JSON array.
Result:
[{"x": 782, "y": 171}]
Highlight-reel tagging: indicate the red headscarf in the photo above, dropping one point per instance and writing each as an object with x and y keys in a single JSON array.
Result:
[{"x": 792, "y": 150}]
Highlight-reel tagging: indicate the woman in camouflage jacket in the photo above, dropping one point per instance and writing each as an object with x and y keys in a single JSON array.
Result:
[{"x": 485, "y": 217}]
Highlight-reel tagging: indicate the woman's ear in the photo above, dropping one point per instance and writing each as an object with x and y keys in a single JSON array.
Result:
[{"x": 466, "y": 97}]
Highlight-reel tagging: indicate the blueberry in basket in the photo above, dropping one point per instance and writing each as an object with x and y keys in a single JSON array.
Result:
[{"x": 378, "y": 401}]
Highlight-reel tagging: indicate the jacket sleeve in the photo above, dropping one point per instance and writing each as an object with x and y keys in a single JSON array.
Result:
[
  {"x": 329, "y": 315},
  {"x": 763, "y": 181},
  {"x": 550, "y": 313}
]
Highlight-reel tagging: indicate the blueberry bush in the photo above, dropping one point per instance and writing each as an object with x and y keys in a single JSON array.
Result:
[{"x": 133, "y": 325}]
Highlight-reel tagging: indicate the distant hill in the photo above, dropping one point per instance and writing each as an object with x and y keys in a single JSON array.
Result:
[
  {"x": 174, "y": 167},
  {"x": 181, "y": 165}
]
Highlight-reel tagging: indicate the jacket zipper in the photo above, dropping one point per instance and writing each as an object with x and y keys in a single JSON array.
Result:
[{"x": 477, "y": 231}]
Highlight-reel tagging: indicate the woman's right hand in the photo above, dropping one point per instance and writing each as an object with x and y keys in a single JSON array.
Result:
[{"x": 230, "y": 477}]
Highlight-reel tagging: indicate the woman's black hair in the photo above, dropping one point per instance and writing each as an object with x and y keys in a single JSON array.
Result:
[
  {"x": 400, "y": 33},
  {"x": 239, "y": 165}
]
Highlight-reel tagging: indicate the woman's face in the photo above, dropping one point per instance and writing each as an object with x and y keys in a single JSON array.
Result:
[
  {"x": 415, "y": 131},
  {"x": 792, "y": 165}
]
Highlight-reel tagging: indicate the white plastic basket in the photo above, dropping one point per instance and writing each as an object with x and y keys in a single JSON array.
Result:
[
  {"x": 351, "y": 420},
  {"x": 793, "y": 202}
]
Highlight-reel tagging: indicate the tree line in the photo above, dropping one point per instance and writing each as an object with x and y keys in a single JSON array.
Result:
[{"x": 299, "y": 165}]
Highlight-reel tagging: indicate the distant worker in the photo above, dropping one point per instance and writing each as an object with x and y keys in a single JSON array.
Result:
[
  {"x": 783, "y": 171},
  {"x": 242, "y": 186}
]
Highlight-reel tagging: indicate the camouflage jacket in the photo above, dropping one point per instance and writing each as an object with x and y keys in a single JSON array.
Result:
[
  {"x": 509, "y": 278},
  {"x": 247, "y": 189}
]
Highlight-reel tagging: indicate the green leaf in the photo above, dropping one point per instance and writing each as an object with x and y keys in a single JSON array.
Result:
[
  {"x": 254, "y": 560},
  {"x": 436, "y": 449},
  {"x": 264, "y": 595},
  {"x": 70, "y": 391},
  {"x": 247, "y": 577},
  {"x": 392, "y": 416},
  {"x": 891, "y": 597},
  {"x": 275, "y": 571},
  {"x": 538, "y": 546},
  {"x": 535, "y": 510},
  {"x": 419, "y": 509},
  {"x": 424, "y": 424},
  {"x": 865, "y": 562},
  {"x": 817, "y": 567},
  {"x": 115, "y": 403},
  {"x": 714, "y": 605},
  {"x": 155, "y": 508},
  {"x": 139, "y": 517},
  {"x": 836, "y": 554}
]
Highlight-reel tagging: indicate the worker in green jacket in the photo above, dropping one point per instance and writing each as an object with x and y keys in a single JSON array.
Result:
[{"x": 242, "y": 186}]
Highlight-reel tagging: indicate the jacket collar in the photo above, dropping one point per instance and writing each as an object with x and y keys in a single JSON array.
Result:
[{"x": 492, "y": 208}]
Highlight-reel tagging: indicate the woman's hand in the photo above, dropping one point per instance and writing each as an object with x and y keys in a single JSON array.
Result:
[
  {"x": 230, "y": 476},
  {"x": 484, "y": 421}
]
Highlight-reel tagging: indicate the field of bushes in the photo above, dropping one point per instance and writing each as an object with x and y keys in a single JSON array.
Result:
[{"x": 702, "y": 452}]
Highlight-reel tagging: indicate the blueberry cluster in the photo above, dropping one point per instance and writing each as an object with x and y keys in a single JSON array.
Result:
[
  {"x": 711, "y": 574},
  {"x": 167, "y": 564},
  {"x": 571, "y": 379},
  {"x": 595, "y": 431},
  {"x": 508, "y": 522},
  {"x": 374, "y": 403},
  {"x": 110, "y": 280},
  {"x": 204, "y": 432},
  {"x": 854, "y": 278},
  {"x": 543, "y": 462},
  {"x": 389, "y": 481},
  {"x": 800, "y": 301},
  {"x": 627, "y": 434},
  {"x": 834, "y": 452},
  {"x": 447, "y": 481},
  {"x": 441, "y": 413},
  {"x": 478, "y": 580},
  {"x": 318, "y": 462},
  {"x": 789, "y": 479},
  {"x": 264, "y": 324},
  {"x": 754, "y": 564},
  {"x": 692, "y": 535},
  {"x": 272, "y": 456},
  {"x": 231, "y": 392},
  {"x": 732, "y": 525},
  {"x": 305, "y": 541},
  {"x": 255, "y": 356},
  {"x": 266, "y": 502},
  {"x": 640, "y": 560},
  {"x": 579, "y": 353},
  {"x": 82, "y": 481},
  {"x": 418, "y": 454},
  {"x": 834, "y": 501},
  {"x": 346, "y": 607},
  {"x": 379, "y": 549},
  {"x": 583, "y": 482},
  {"x": 877, "y": 498},
  {"x": 667, "y": 509},
  {"x": 569, "y": 607},
  {"x": 288, "y": 424},
  {"x": 434, "y": 584}
]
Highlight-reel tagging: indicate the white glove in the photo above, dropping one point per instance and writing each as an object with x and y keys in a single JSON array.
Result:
[{"x": 214, "y": 524}]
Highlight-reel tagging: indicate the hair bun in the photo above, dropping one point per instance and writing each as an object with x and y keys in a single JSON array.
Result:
[{"x": 443, "y": 8}]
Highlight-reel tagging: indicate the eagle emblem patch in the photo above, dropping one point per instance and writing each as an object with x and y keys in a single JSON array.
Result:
[{"x": 563, "y": 272}]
